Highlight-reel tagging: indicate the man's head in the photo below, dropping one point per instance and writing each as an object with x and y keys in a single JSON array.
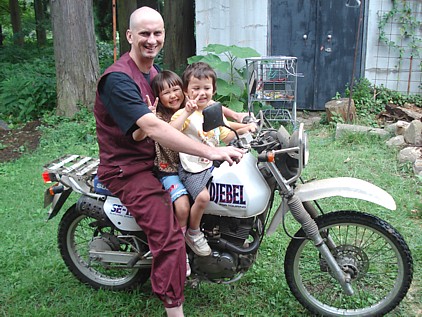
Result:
[{"x": 145, "y": 33}]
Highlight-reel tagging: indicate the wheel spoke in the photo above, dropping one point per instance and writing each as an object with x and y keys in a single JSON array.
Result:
[
  {"x": 76, "y": 235},
  {"x": 376, "y": 259}
]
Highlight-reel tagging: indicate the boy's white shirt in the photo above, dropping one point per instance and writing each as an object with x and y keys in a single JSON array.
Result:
[{"x": 192, "y": 127}]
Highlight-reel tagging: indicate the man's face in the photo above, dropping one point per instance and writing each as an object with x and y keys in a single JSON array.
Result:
[{"x": 147, "y": 37}]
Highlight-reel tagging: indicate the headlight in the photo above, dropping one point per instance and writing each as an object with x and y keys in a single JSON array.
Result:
[
  {"x": 283, "y": 137},
  {"x": 305, "y": 148},
  {"x": 299, "y": 139}
]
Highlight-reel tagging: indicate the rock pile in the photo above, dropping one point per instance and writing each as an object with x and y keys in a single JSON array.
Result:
[
  {"x": 408, "y": 138},
  {"x": 407, "y": 132}
]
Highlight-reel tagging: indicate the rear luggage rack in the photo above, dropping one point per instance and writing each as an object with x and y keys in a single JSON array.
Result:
[{"x": 81, "y": 168}]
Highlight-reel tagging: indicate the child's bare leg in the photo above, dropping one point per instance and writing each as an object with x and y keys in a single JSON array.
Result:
[
  {"x": 198, "y": 208},
  {"x": 194, "y": 237},
  {"x": 182, "y": 209}
]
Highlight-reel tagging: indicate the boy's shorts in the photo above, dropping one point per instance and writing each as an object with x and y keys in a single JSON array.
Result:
[
  {"x": 195, "y": 182},
  {"x": 174, "y": 186}
]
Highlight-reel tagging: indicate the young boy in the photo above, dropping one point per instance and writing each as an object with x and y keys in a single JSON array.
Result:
[{"x": 199, "y": 86}]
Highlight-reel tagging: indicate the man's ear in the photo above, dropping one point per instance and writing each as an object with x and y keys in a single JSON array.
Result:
[{"x": 129, "y": 36}]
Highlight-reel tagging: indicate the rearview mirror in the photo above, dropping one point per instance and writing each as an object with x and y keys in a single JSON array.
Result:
[{"x": 213, "y": 117}]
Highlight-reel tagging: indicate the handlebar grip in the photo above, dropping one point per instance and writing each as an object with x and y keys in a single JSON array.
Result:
[
  {"x": 217, "y": 163},
  {"x": 263, "y": 157},
  {"x": 248, "y": 119}
]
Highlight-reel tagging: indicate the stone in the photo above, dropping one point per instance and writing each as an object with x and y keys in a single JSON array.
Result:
[
  {"x": 397, "y": 128},
  {"x": 417, "y": 166},
  {"x": 339, "y": 107},
  {"x": 401, "y": 127},
  {"x": 413, "y": 134},
  {"x": 342, "y": 128},
  {"x": 4, "y": 126},
  {"x": 410, "y": 154},
  {"x": 397, "y": 141}
]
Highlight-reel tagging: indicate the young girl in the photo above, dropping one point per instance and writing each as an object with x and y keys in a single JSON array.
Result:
[
  {"x": 199, "y": 85},
  {"x": 167, "y": 86}
]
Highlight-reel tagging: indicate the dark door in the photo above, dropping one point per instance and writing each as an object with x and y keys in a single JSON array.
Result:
[{"x": 322, "y": 35}]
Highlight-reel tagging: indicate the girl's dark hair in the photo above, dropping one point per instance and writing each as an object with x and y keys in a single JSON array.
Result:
[
  {"x": 199, "y": 70},
  {"x": 157, "y": 85}
]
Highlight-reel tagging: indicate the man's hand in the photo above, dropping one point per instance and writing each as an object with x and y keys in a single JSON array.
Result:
[{"x": 226, "y": 153}]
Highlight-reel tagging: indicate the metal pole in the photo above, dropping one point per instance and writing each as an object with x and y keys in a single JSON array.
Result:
[
  {"x": 114, "y": 30},
  {"x": 354, "y": 60}
]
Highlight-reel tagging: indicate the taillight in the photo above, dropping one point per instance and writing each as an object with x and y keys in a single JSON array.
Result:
[{"x": 48, "y": 177}]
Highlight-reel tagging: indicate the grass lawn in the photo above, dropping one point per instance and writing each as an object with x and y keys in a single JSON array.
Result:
[{"x": 35, "y": 282}]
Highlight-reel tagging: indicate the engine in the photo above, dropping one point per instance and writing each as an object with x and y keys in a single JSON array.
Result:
[{"x": 234, "y": 243}]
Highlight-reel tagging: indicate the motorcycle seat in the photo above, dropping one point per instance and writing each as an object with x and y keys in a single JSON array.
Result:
[{"x": 99, "y": 188}]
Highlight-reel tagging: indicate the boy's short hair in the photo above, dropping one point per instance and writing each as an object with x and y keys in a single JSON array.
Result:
[{"x": 199, "y": 70}]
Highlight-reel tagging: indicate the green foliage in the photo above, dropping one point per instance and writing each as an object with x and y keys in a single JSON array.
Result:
[
  {"x": 28, "y": 23},
  {"x": 26, "y": 54},
  {"x": 409, "y": 26},
  {"x": 370, "y": 100},
  {"x": 230, "y": 91},
  {"x": 336, "y": 118},
  {"x": 79, "y": 132},
  {"x": 105, "y": 54},
  {"x": 27, "y": 90}
]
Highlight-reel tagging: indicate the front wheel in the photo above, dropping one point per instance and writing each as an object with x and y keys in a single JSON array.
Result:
[
  {"x": 76, "y": 233},
  {"x": 369, "y": 249}
]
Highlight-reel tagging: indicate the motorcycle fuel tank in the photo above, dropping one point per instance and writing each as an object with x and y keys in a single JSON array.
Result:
[{"x": 239, "y": 190}]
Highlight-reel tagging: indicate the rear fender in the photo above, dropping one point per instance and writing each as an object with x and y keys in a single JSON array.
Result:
[
  {"x": 345, "y": 187},
  {"x": 58, "y": 202}
]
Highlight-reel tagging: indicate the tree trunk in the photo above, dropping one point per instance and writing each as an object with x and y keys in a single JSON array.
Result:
[
  {"x": 15, "y": 19},
  {"x": 149, "y": 3},
  {"x": 75, "y": 53},
  {"x": 1, "y": 35},
  {"x": 124, "y": 10},
  {"x": 39, "y": 9},
  {"x": 179, "y": 20}
]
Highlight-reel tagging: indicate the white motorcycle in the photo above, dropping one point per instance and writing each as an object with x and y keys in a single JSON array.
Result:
[{"x": 343, "y": 263}]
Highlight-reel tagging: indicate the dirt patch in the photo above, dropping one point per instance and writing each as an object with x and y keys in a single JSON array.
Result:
[{"x": 15, "y": 142}]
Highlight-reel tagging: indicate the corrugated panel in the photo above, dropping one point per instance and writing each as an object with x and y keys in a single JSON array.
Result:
[{"x": 232, "y": 22}]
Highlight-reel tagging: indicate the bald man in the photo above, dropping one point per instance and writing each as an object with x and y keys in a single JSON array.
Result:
[{"x": 126, "y": 165}]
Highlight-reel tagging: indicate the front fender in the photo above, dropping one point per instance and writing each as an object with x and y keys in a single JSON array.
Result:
[{"x": 345, "y": 187}]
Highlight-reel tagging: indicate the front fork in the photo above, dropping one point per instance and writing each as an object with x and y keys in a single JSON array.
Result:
[
  {"x": 310, "y": 228},
  {"x": 312, "y": 232}
]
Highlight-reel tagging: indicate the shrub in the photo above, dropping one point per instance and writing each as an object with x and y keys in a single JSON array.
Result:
[
  {"x": 27, "y": 90},
  {"x": 370, "y": 99},
  {"x": 231, "y": 91},
  {"x": 105, "y": 55}
]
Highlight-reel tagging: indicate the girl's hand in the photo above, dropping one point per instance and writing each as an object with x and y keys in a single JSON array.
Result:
[{"x": 152, "y": 107}]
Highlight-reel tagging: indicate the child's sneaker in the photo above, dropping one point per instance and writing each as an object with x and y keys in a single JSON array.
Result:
[
  {"x": 188, "y": 270},
  {"x": 198, "y": 244}
]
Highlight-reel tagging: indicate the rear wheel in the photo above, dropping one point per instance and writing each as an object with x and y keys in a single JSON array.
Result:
[
  {"x": 366, "y": 247},
  {"x": 77, "y": 232}
]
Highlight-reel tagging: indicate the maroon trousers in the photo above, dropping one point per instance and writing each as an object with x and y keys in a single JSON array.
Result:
[{"x": 142, "y": 193}]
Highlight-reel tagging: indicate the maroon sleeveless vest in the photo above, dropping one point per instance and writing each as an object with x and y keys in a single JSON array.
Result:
[{"x": 116, "y": 148}]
